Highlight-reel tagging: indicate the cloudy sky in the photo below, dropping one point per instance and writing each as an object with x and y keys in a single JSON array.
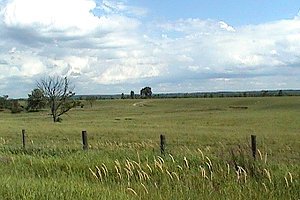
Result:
[{"x": 110, "y": 46}]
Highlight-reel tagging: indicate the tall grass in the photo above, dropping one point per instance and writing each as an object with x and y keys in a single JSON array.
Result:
[{"x": 207, "y": 153}]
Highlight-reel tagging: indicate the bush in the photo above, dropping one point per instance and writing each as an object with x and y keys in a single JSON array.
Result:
[{"x": 15, "y": 107}]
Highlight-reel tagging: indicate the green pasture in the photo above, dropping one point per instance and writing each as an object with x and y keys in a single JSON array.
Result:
[{"x": 208, "y": 153}]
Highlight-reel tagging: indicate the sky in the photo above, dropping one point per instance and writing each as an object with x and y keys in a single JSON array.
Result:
[{"x": 113, "y": 47}]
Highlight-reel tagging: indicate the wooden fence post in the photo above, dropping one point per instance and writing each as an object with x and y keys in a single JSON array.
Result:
[
  {"x": 253, "y": 145},
  {"x": 84, "y": 140},
  {"x": 162, "y": 144},
  {"x": 23, "y": 138}
]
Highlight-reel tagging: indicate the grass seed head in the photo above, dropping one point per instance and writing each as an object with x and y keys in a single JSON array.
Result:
[
  {"x": 186, "y": 162},
  {"x": 267, "y": 172},
  {"x": 132, "y": 191},
  {"x": 209, "y": 166},
  {"x": 120, "y": 175},
  {"x": 266, "y": 158},
  {"x": 146, "y": 176},
  {"x": 176, "y": 175},
  {"x": 228, "y": 169},
  {"x": 148, "y": 166},
  {"x": 172, "y": 158},
  {"x": 202, "y": 155},
  {"x": 266, "y": 189},
  {"x": 179, "y": 167},
  {"x": 260, "y": 154},
  {"x": 291, "y": 177},
  {"x": 161, "y": 160},
  {"x": 104, "y": 171},
  {"x": 138, "y": 157},
  {"x": 170, "y": 175},
  {"x": 137, "y": 164},
  {"x": 117, "y": 169},
  {"x": 210, "y": 163},
  {"x": 99, "y": 175},
  {"x": 141, "y": 177},
  {"x": 286, "y": 182},
  {"x": 145, "y": 188},
  {"x": 93, "y": 173},
  {"x": 105, "y": 168}
]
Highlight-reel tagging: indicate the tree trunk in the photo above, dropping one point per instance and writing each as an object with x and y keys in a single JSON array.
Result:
[{"x": 53, "y": 110}]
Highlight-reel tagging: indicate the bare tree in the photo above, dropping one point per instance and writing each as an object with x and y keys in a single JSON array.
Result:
[{"x": 58, "y": 94}]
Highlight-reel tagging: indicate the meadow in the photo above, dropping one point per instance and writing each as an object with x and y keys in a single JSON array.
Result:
[{"x": 208, "y": 154}]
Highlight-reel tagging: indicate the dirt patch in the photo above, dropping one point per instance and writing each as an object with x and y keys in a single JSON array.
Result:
[{"x": 142, "y": 103}]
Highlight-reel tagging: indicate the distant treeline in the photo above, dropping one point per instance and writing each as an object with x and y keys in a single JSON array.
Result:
[{"x": 262, "y": 93}]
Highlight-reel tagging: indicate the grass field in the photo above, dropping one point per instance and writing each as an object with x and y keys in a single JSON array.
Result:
[{"x": 207, "y": 154}]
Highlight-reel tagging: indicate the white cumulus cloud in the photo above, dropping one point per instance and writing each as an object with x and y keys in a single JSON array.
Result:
[
  {"x": 72, "y": 17},
  {"x": 107, "y": 46}
]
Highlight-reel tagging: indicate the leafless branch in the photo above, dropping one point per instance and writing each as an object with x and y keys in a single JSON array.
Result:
[{"x": 59, "y": 95}]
